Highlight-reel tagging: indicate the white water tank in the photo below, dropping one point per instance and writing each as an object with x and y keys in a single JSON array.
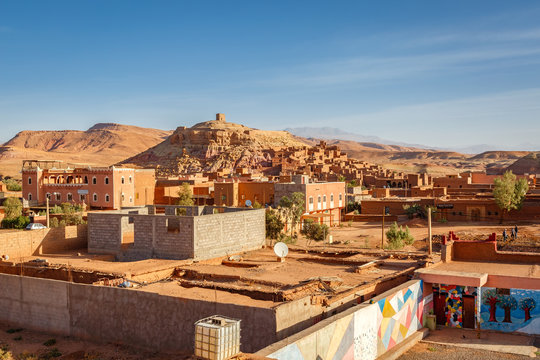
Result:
[{"x": 217, "y": 338}]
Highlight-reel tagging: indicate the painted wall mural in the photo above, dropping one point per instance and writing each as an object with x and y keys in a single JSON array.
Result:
[
  {"x": 364, "y": 334},
  {"x": 454, "y": 302},
  {"x": 400, "y": 315},
  {"x": 510, "y": 310}
]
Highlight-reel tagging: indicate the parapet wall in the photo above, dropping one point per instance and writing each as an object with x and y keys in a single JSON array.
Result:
[
  {"x": 132, "y": 317},
  {"x": 487, "y": 251},
  {"x": 19, "y": 243}
]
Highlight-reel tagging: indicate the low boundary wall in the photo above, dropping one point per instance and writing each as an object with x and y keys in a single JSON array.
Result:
[
  {"x": 22, "y": 243},
  {"x": 132, "y": 317},
  {"x": 365, "y": 331}
]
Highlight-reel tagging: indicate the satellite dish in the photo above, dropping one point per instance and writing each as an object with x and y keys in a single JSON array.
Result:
[
  {"x": 281, "y": 249},
  {"x": 248, "y": 203}
]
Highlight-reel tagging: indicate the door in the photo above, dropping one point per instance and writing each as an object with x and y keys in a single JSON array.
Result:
[
  {"x": 468, "y": 311},
  {"x": 440, "y": 307}
]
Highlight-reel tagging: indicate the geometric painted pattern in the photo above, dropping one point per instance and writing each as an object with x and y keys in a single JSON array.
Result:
[
  {"x": 399, "y": 315},
  {"x": 364, "y": 334}
]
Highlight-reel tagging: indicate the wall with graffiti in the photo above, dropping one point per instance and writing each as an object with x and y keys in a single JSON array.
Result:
[
  {"x": 366, "y": 333},
  {"x": 510, "y": 310},
  {"x": 454, "y": 302}
]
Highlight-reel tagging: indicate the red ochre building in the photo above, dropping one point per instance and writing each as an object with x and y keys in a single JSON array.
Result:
[{"x": 97, "y": 187}]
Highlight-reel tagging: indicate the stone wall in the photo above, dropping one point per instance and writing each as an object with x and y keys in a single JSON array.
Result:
[
  {"x": 21, "y": 243},
  {"x": 132, "y": 317}
]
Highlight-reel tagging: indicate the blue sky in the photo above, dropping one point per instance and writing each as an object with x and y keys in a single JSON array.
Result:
[{"x": 446, "y": 74}]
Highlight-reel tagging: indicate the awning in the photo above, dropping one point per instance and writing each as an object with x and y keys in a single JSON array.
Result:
[{"x": 434, "y": 276}]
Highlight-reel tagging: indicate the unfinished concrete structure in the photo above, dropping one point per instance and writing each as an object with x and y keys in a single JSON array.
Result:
[{"x": 201, "y": 232}]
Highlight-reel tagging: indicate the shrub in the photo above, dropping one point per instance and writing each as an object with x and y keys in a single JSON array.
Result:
[
  {"x": 17, "y": 223},
  {"x": 54, "y": 223},
  {"x": 349, "y": 223},
  {"x": 13, "y": 207},
  {"x": 398, "y": 237},
  {"x": 315, "y": 231},
  {"x": 55, "y": 210}
]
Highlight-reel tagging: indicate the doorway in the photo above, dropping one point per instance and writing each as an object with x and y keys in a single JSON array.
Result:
[
  {"x": 468, "y": 311},
  {"x": 440, "y": 307}
]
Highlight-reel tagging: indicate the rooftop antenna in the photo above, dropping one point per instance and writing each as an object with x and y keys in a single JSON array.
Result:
[{"x": 281, "y": 250}]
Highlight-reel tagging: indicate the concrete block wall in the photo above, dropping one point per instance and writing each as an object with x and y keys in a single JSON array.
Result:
[
  {"x": 228, "y": 233},
  {"x": 19, "y": 243},
  {"x": 104, "y": 232},
  {"x": 174, "y": 244},
  {"x": 132, "y": 317}
]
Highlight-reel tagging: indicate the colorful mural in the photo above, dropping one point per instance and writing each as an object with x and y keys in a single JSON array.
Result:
[
  {"x": 454, "y": 302},
  {"x": 511, "y": 310},
  {"x": 364, "y": 334},
  {"x": 400, "y": 315}
]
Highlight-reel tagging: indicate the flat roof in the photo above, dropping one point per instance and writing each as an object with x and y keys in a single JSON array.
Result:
[{"x": 491, "y": 268}]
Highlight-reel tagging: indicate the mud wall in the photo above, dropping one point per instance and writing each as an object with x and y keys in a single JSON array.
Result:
[
  {"x": 21, "y": 243},
  {"x": 132, "y": 317}
]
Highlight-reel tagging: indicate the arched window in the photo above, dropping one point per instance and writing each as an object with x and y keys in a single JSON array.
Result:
[
  {"x": 94, "y": 180},
  {"x": 310, "y": 201},
  {"x": 58, "y": 196},
  {"x": 130, "y": 180},
  {"x": 29, "y": 181},
  {"x": 324, "y": 201},
  {"x": 86, "y": 179},
  {"x": 69, "y": 197},
  {"x": 319, "y": 202},
  {"x": 29, "y": 197},
  {"x": 123, "y": 197},
  {"x": 48, "y": 196},
  {"x": 107, "y": 198},
  {"x": 95, "y": 197},
  {"x": 106, "y": 180},
  {"x": 123, "y": 180},
  {"x": 130, "y": 199},
  {"x": 331, "y": 200}
]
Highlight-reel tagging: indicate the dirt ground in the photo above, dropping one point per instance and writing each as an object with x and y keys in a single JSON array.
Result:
[
  {"x": 24, "y": 344},
  {"x": 367, "y": 235},
  {"x": 425, "y": 351}
]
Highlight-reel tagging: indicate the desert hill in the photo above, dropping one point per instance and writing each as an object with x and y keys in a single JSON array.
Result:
[
  {"x": 213, "y": 145},
  {"x": 101, "y": 145},
  {"x": 528, "y": 164}
]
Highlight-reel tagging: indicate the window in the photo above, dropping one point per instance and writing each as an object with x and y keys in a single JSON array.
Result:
[
  {"x": 58, "y": 196},
  {"x": 107, "y": 198},
  {"x": 130, "y": 199},
  {"x": 311, "y": 199},
  {"x": 86, "y": 179},
  {"x": 319, "y": 202},
  {"x": 331, "y": 197},
  {"x": 69, "y": 197},
  {"x": 94, "y": 180},
  {"x": 82, "y": 197},
  {"x": 29, "y": 196},
  {"x": 123, "y": 180},
  {"x": 95, "y": 197},
  {"x": 130, "y": 180},
  {"x": 106, "y": 180},
  {"x": 29, "y": 181},
  {"x": 48, "y": 196},
  {"x": 123, "y": 197}
]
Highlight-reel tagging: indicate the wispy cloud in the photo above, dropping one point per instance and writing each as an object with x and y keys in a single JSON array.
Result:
[{"x": 503, "y": 118}]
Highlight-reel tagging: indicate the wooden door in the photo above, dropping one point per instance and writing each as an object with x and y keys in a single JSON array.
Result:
[
  {"x": 440, "y": 307},
  {"x": 468, "y": 311}
]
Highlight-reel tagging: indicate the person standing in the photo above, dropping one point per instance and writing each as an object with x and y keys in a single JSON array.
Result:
[
  {"x": 512, "y": 234},
  {"x": 504, "y": 235},
  {"x": 515, "y": 231}
]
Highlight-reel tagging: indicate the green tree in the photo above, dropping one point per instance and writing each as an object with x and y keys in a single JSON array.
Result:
[
  {"x": 491, "y": 298},
  {"x": 13, "y": 208},
  {"x": 527, "y": 305},
  {"x": 314, "y": 231},
  {"x": 274, "y": 224},
  {"x": 509, "y": 193},
  {"x": 257, "y": 205},
  {"x": 397, "y": 236},
  {"x": 12, "y": 185},
  {"x": 185, "y": 195},
  {"x": 293, "y": 208},
  {"x": 71, "y": 214},
  {"x": 341, "y": 178},
  {"x": 508, "y": 303}
]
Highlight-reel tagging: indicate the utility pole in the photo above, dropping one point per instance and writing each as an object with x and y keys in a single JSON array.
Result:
[
  {"x": 382, "y": 228},
  {"x": 429, "y": 230},
  {"x": 47, "y": 201}
]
